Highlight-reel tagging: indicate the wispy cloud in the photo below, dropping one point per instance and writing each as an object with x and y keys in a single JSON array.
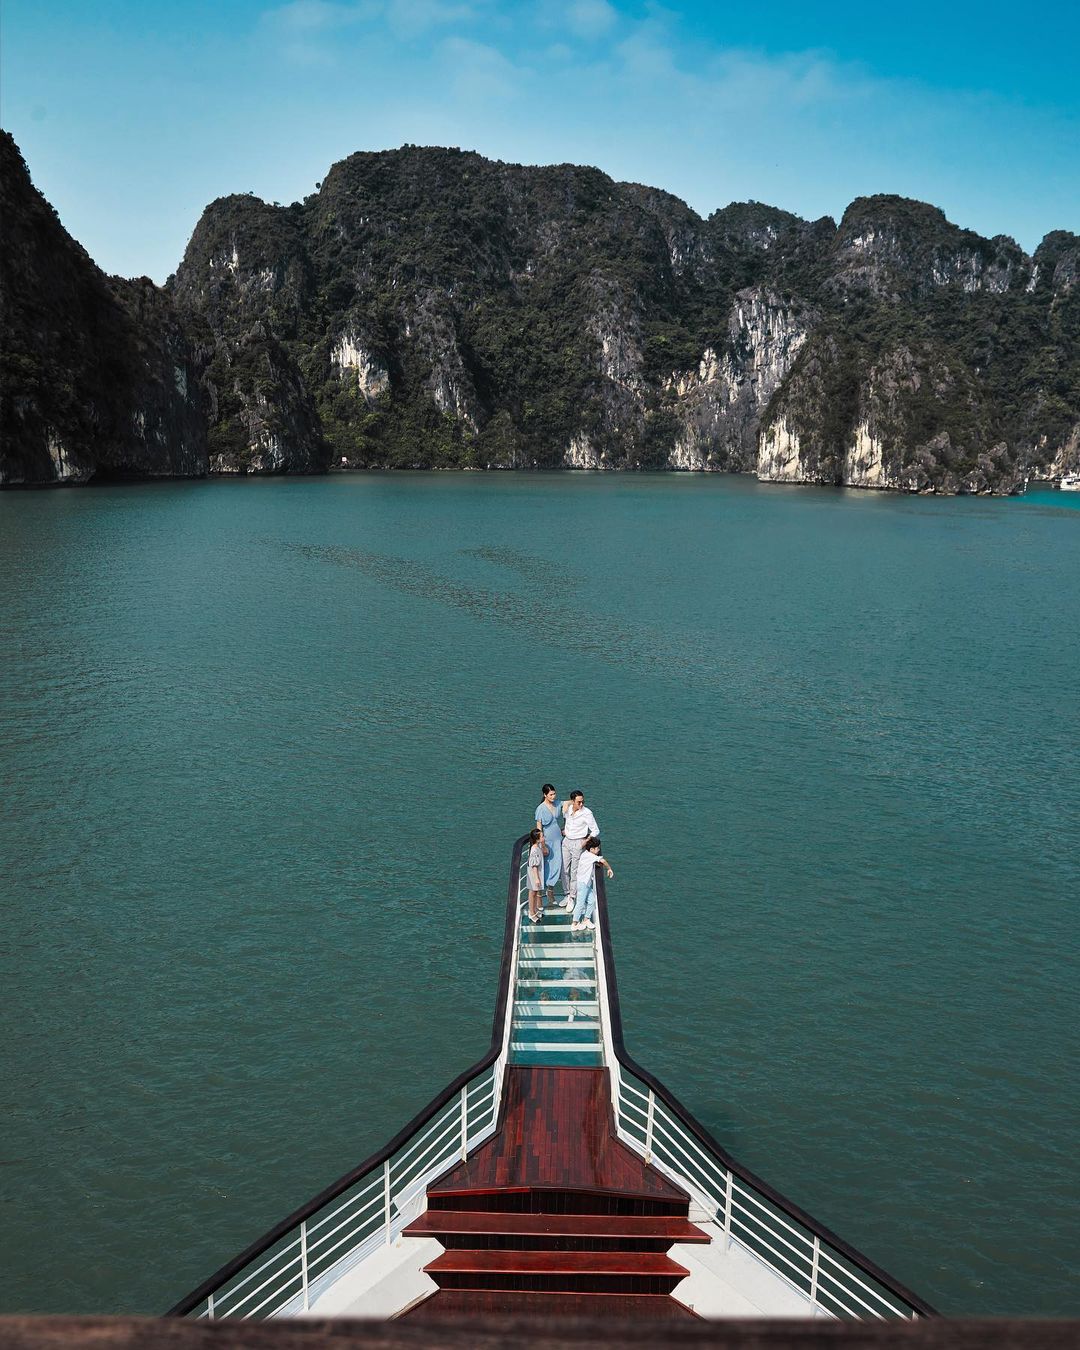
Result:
[
  {"x": 480, "y": 72},
  {"x": 650, "y": 57},
  {"x": 303, "y": 30},
  {"x": 318, "y": 16},
  {"x": 411, "y": 18},
  {"x": 576, "y": 21},
  {"x": 590, "y": 18},
  {"x": 309, "y": 31}
]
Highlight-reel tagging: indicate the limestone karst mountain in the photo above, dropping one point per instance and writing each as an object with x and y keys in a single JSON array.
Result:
[
  {"x": 431, "y": 308},
  {"x": 98, "y": 377}
]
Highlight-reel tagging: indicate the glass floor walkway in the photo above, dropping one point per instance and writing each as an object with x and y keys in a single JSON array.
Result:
[{"x": 556, "y": 1013}]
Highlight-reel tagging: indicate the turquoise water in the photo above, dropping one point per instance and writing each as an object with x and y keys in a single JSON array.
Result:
[{"x": 266, "y": 745}]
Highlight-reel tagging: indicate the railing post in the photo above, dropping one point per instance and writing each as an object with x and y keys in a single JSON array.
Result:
[
  {"x": 303, "y": 1263},
  {"x": 728, "y": 1192},
  {"x": 386, "y": 1198},
  {"x": 814, "y": 1270},
  {"x": 464, "y": 1122},
  {"x": 210, "y": 1307},
  {"x": 649, "y": 1125}
]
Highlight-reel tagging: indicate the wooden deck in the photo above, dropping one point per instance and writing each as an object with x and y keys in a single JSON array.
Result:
[
  {"x": 554, "y": 1215},
  {"x": 557, "y": 1134}
]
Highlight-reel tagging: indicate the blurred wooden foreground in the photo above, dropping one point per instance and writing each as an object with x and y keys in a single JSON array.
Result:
[{"x": 134, "y": 1333}]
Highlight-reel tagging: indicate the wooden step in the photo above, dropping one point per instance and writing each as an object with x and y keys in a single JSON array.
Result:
[
  {"x": 552, "y": 1200},
  {"x": 576, "y": 1272},
  {"x": 483, "y": 1303},
  {"x": 557, "y": 1263},
  {"x": 617, "y": 1227}
]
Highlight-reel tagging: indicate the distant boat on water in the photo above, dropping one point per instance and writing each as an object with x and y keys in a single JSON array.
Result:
[{"x": 1070, "y": 482}]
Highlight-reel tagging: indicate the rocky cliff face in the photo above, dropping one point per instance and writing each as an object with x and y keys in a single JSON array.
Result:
[
  {"x": 870, "y": 432},
  {"x": 942, "y": 362},
  {"x": 100, "y": 378},
  {"x": 247, "y": 301},
  {"x": 896, "y": 249},
  {"x": 432, "y": 308},
  {"x": 717, "y": 408}
]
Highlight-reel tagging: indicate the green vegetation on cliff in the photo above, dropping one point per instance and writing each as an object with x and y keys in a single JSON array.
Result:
[{"x": 432, "y": 308}]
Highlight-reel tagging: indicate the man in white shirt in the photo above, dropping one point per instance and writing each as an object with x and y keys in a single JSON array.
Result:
[{"x": 578, "y": 823}]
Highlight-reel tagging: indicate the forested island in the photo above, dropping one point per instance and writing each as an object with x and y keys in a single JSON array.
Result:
[{"x": 429, "y": 308}]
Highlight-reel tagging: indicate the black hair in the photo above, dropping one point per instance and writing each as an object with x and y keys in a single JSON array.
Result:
[
  {"x": 534, "y": 834},
  {"x": 577, "y": 792},
  {"x": 548, "y": 787},
  {"x": 592, "y": 842}
]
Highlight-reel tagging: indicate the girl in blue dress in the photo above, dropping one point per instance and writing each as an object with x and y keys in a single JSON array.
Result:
[{"x": 547, "y": 818}]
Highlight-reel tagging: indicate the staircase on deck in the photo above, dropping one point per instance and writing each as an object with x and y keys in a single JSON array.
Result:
[{"x": 555, "y": 1215}]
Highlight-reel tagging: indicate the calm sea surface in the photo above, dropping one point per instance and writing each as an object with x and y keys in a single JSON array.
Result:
[{"x": 265, "y": 746}]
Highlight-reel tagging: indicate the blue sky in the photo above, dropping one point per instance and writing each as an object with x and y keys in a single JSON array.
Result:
[{"x": 133, "y": 116}]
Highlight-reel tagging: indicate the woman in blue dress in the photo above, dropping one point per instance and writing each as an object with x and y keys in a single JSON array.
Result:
[{"x": 547, "y": 817}]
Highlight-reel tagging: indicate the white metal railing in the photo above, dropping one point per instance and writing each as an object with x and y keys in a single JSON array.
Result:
[
  {"x": 830, "y": 1281},
  {"x": 288, "y": 1276},
  {"x": 833, "y": 1283}
]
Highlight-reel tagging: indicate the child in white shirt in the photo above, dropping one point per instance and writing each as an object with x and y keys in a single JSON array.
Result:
[{"x": 585, "y": 906}]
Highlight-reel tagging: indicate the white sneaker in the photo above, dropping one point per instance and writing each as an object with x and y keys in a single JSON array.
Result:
[
  {"x": 588, "y": 924},
  {"x": 574, "y": 927}
]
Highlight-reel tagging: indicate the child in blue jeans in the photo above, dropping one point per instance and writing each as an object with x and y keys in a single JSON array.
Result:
[{"x": 585, "y": 907}]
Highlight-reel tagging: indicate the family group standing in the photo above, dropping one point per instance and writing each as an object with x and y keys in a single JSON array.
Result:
[{"x": 571, "y": 852}]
